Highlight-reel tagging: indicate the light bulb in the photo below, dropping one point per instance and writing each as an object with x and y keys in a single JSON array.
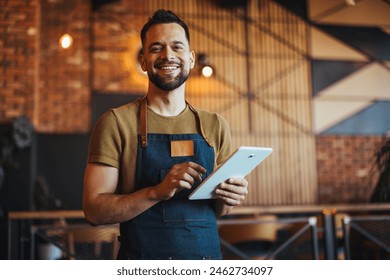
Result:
[
  {"x": 66, "y": 41},
  {"x": 207, "y": 71}
]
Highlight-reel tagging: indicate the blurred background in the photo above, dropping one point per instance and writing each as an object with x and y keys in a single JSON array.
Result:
[{"x": 309, "y": 78}]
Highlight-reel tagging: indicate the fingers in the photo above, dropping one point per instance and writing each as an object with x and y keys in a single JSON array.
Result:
[
  {"x": 233, "y": 191},
  {"x": 188, "y": 172},
  {"x": 195, "y": 170},
  {"x": 181, "y": 176}
]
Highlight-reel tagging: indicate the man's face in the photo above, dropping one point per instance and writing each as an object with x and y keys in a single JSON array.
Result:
[{"x": 166, "y": 56}]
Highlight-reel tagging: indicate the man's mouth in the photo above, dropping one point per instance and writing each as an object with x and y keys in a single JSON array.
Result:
[
  {"x": 170, "y": 67},
  {"x": 167, "y": 67}
]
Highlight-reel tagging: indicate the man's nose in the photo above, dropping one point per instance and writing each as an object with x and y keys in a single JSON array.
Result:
[{"x": 168, "y": 53}]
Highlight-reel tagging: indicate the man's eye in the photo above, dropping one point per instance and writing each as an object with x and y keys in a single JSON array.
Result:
[
  {"x": 178, "y": 47},
  {"x": 156, "y": 49}
]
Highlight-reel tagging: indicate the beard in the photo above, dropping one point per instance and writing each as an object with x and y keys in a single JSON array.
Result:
[{"x": 168, "y": 83}]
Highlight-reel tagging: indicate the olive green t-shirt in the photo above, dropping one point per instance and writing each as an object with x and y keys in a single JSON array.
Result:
[{"x": 114, "y": 138}]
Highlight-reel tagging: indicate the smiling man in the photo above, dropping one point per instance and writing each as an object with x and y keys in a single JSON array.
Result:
[{"x": 146, "y": 157}]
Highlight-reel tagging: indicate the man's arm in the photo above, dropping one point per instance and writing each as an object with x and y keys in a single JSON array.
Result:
[
  {"x": 100, "y": 203},
  {"x": 102, "y": 206}
]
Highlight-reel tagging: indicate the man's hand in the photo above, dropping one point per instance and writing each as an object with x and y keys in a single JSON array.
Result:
[
  {"x": 233, "y": 191},
  {"x": 181, "y": 176}
]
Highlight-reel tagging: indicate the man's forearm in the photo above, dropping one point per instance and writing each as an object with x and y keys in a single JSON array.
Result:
[{"x": 108, "y": 208}]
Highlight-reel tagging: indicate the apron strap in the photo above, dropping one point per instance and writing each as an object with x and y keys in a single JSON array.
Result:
[
  {"x": 144, "y": 123},
  {"x": 200, "y": 123}
]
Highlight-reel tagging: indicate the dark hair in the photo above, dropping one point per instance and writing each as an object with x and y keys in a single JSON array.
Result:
[{"x": 163, "y": 16}]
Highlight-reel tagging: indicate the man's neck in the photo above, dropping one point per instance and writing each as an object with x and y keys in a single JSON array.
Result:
[{"x": 165, "y": 103}]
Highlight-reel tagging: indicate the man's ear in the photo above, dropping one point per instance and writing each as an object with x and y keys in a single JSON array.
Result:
[
  {"x": 141, "y": 60},
  {"x": 192, "y": 59}
]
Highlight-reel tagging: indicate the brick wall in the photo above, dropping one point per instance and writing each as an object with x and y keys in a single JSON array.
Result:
[
  {"x": 38, "y": 78},
  {"x": 18, "y": 57},
  {"x": 116, "y": 28},
  {"x": 345, "y": 165},
  {"x": 64, "y": 90}
]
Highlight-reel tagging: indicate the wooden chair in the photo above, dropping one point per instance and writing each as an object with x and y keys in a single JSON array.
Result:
[{"x": 97, "y": 236}]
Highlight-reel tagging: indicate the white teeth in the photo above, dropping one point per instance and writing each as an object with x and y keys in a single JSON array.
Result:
[{"x": 169, "y": 67}]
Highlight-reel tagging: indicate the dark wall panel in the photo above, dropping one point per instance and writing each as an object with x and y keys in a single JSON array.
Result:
[
  {"x": 328, "y": 72},
  {"x": 16, "y": 191},
  {"x": 369, "y": 40},
  {"x": 102, "y": 102},
  {"x": 61, "y": 162}
]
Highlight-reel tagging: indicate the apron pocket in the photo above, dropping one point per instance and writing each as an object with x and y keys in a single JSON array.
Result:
[
  {"x": 177, "y": 210},
  {"x": 180, "y": 209}
]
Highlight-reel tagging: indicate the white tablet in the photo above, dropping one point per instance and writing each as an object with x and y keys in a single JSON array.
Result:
[{"x": 239, "y": 164}]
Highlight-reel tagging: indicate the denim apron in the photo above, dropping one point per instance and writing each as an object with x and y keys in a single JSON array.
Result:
[{"x": 177, "y": 228}]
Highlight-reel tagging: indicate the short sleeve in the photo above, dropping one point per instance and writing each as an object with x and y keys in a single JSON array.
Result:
[
  {"x": 105, "y": 144},
  {"x": 225, "y": 139}
]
